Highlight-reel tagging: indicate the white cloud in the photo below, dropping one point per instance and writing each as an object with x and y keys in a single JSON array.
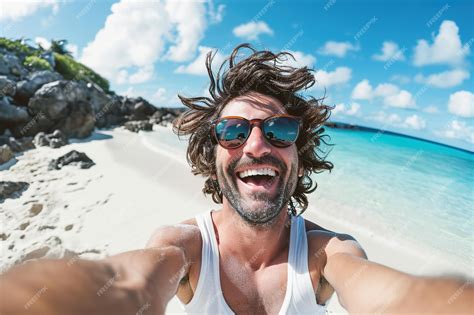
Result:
[
  {"x": 216, "y": 15},
  {"x": 414, "y": 122},
  {"x": 390, "y": 51},
  {"x": 401, "y": 79},
  {"x": 459, "y": 130},
  {"x": 362, "y": 91},
  {"x": 131, "y": 92},
  {"x": 190, "y": 20},
  {"x": 326, "y": 79},
  {"x": 461, "y": 104},
  {"x": 386, "y": 90},
  {"x": 252, "y": 30},
  {"x": 198, "y": 65},
  {"x": 16, "y": 10},
  {"x": 446, "y": 48},
  {"x": 431, "y": 109},
  {"x": 383, "y": 117},
  {"x": 160, "y": 95},
  {"x": 133, "y": 35},
  {"x": 301, "y": 60},
  {"x": 338, "y": 49},
  {"x": 444, "y": 79},
  {"x": 143, "y": 74},
  {"x": 402, "y": 99},
  {"x": 136, "y": 34},
  {"x": 46, "y": 44},
  {"x": 341, "y": 108},
  {"x": 354, "y": 109},
  {"x": 390, "y": 93}
]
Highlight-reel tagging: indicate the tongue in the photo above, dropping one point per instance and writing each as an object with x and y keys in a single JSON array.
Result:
[{"x": 259, "y": 180}]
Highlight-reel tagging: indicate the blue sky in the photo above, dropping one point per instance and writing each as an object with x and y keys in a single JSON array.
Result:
[{"x": 404, "y": 66}]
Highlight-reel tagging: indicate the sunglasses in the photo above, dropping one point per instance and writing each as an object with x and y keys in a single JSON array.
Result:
[{"x": 232, "y": 131}]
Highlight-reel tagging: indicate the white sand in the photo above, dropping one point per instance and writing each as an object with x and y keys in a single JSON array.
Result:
[{"x": 117, "y": 204}]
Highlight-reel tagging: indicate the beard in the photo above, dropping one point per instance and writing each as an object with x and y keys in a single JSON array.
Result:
[{"x": 261, "y": 208}]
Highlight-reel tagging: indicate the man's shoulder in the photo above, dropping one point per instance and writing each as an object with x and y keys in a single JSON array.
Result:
[
  {"x": 185, "y": 234},
  {"x": 325, "y": 242}
]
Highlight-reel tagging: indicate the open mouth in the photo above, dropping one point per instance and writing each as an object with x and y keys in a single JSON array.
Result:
[{"x": 262, "y": 178}]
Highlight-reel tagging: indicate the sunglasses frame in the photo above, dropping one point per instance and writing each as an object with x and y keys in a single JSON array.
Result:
[{"x": 254, "y": 123}]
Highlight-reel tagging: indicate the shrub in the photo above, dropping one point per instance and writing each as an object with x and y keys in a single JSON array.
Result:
[
  {"x": 16, "y": 46},
  {"x": 73, "y": 70},
  {"x": 34, "y": 62}
]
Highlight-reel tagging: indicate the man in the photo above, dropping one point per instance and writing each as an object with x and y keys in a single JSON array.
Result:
[{"x": 255, "y": 139}]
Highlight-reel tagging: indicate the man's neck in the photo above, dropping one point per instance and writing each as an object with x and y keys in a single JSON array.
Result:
[{"x": 256, "y": 245}]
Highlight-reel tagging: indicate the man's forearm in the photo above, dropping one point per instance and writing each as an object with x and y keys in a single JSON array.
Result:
[
  {"x": 367, "y": 287},
  {"x": 133, "y": 282}
]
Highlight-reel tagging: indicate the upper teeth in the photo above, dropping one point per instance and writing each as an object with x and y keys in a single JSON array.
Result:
[{"x": 260, "y": 171}]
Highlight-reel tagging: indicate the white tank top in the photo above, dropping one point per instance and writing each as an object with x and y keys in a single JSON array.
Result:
[{"x": 208, "y": 298}]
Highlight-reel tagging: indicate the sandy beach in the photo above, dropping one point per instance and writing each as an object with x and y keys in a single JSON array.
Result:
[{"x": 132, "y": 189}]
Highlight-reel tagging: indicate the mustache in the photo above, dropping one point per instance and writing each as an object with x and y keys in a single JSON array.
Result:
[{"x": 247, "y": 161}]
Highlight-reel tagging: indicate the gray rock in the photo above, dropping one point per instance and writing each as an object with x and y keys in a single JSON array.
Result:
[
  {"x": 4, "y": 68},
  {"x": 7, "y": 86},
  {"x": 20, "y": 145},
  {"x": 6, "y": 154},
  {"x": 142, "y": 110},
  {"x": 12, "y": 189},
  {"x": 80, "y": 121},
  {"x": 98, "y": 98},
  {"x": 41, "y": 140},
  {"x": 65, "y": 106},
  {"x": 27, "y": 88},
  {"x": 54, "y": 140},
  {"x": 136, "y": 126},
  {"x": 15, "y": 66},
  {"x": 49, "y": 100},
  {"x": 74, "y": 158},
  {"x": 11, "y": 114}
]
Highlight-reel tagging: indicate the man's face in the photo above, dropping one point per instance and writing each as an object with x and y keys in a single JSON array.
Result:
[{"x": 257, "y": 199}]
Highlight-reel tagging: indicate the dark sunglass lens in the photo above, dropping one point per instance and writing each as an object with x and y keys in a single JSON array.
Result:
[
  {"x": 232, "y": 132},
  {"x": 281, "y": 131}
]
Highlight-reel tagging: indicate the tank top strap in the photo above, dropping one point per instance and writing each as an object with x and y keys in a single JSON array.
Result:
[{"x": 303, "y": 299}]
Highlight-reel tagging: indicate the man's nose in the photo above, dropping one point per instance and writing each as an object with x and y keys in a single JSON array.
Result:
[{"x": 256, "y": 145}]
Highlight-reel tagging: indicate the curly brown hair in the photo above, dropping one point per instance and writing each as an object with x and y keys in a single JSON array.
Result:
[{"x": 262, "y": 72}]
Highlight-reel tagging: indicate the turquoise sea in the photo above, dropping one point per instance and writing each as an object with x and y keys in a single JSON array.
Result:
[{"x": 408, "y": 191}]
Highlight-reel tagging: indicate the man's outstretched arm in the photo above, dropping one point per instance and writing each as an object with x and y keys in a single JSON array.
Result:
[
  {"x": 363, "y": 286},
  {"x": 141, "y": 281}
]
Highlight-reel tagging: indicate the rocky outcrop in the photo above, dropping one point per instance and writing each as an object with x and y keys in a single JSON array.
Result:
[
  {"x": 41, "y": 103},
  {"x": 6, "y": 154},
  {"x": 55, "y": 140},
  {"x": 136, "y": 126},
  {"x": 7, "y": 86},
  {"x": 11, "y": 115},
  {"x": 12, "y": 189},
  {"x": 17, "y": 145},
  {"x": 74, "y": 158},
  {"x": 25, "y": 89}
]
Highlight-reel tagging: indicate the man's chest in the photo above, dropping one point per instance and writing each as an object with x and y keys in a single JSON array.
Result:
[{"x": 249, "y": 291}]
